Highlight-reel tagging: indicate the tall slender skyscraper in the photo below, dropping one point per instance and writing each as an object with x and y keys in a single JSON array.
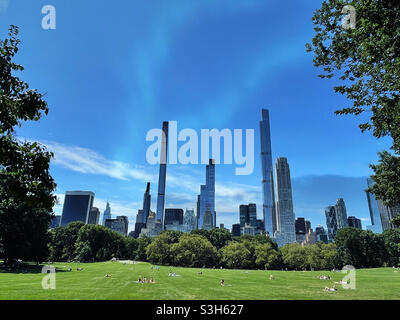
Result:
[
  {"x": 162, "y": 174},
  {"x": 207, "y": 195},
  {"x": 269, "y": 214},
  {"x": 106, "y": 214},
  {"x": 285, "y": 213},
  {"x": 146, "y": 202}
]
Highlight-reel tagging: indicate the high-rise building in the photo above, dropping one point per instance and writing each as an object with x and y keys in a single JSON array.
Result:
[
  {"x": 248, "y": 230},
  {"x": 120, "y": 224},
  {"x": 331, "y": 222},
  {"x": 311, "y": 236},
  {"x": 146, "y": 202},
  {"x": 236, "y": 230},
  {"x": 336, "y": 218},
  {"x": 341, "y": 214},
  {"x": 207, "y": 195},
  {"x": 253, "y": 215},
  {"x": 77, "y": 205},
  {"x": 153, "y": 226},
  {"x": 374, "y": 212},
  {"x": 107, "y": 214},
  {"x": 354, "y": 222},
  {"x": 94, "y": 216},
  {"x": 269, "y": 214},
  {"x": 55, "y": 222},
  {"x": 140, "y": 224},
  {"x": 208, "y": 220},
  {"x": 300, "y": 230},
  {"x": 244, "y": 215},
  {"x": 173, "y": 216},
  {"x": 321, "y": 234},
  {"x": 189, "y": 220},
  {"x": 162, "y": 174},
  {"x": 285, "y": 213}
]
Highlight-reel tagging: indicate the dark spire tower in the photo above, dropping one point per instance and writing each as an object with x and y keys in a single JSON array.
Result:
[
  {"x": 163, "y": 173},
  {"x": 146, "y": 202}
]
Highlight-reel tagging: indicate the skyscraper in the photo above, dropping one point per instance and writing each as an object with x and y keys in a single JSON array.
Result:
[
  {"x": 285, "y": 213},
  {"x": 341, "y": 214},
  {"x": 243, "y": 215},
  {"x": 162, "y": 174},
  {"x": 321, "y": 234},
  {"x": 380, "y": 214},
  {"x": 207, "y": 195},
  {"x": 77, "y": 205},
  {"x": 173, "y": 216},
  {"x": 374, "y": 210},
  {"x": 253, "y": 215},
  {"x": 269, "y": 215},
  {"x": 146, "y": 202},
  {"x": 300, "y": 230},
  {"x": 331, "y": 222},
  {"x": 94, "y": 216},
  {"x": 107, "y": 214},
  {"x": 354, "y": 222}
]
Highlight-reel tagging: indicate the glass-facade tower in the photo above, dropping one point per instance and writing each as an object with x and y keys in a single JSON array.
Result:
[
  {"x": 207, "y": 195},
  {"x": 285, "y": 213},
  {"x": 77, "y": 206},
  {"x": 269, "y": 215},
  {"x": 162, "y": 174}
]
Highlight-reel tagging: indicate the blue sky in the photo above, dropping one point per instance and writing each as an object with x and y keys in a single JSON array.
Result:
[{"x": 111, "y": 71}]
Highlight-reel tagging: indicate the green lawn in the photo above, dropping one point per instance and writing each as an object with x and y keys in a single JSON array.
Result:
[{"x": 91, "y": 283}]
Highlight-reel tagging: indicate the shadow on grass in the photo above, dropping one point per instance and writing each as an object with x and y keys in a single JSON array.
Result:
[{"x": 26, "y": 269}]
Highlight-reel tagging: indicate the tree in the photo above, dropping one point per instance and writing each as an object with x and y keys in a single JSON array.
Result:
[
  {"x": 396, "y": 221},
  {"x": 366, "y": 59},
  {"x": 193, "y": 250},
  {"x": 99, "y": 243},
  {"x": 218, "y": 237},
  {"x": 360, "y": 248},
  {"x": 63, "y": 239},
  {"x": 387, "y": 179},
  {"x": 391, "y": 237},
  {"x": 329, "y": 256},
  {"x": 26, "y": 185},
  {"x": 236, "y": 255},
  {"x": 293, "y": 256},
  {"x": 159, "y": 251},
  {"x": 131, "y": 247},
  {"x": 143, "y": 242},
  {"x": 267, "y": 257}
]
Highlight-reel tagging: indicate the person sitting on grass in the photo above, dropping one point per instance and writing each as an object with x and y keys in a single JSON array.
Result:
[
  {"x": 222, "y": 283},
  {"x": 108, "y": 275},
  {"x": 271, "y": 277},
  {"x": 139, "y": 279},
  {"x": 151, "y": 280},
  {"x": 144, "y": 280},
  {"x": 200, "y": 273}
]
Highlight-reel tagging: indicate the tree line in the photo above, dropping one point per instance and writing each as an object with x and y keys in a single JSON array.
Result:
[{"x": 218, "y": 248}]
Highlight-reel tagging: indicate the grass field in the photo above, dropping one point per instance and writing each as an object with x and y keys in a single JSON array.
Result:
[{"x": 91, "y": 283}]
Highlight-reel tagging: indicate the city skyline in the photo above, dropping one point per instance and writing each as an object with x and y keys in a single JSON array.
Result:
[{"x": 164, "y": 73}]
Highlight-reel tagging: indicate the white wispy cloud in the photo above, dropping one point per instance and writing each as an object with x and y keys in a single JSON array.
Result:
[{"x": 87, "y": 161}]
